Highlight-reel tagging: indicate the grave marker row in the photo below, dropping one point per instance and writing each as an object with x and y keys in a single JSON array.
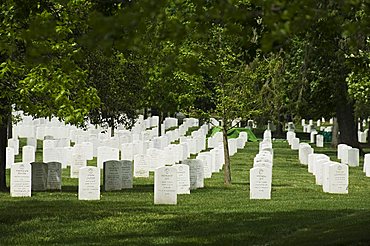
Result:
[{"x": 261, "y": 173}]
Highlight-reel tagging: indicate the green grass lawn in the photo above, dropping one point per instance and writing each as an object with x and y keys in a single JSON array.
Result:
[{"x": 299, "y": 213}]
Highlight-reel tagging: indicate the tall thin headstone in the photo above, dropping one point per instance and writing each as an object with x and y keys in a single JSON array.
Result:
[{"x": 9, "y": 157}]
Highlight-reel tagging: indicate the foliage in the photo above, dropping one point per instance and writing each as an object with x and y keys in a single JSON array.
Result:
[
  {"x": 328, "y": 32},
  {"x": 359, "y": 79},
  {"x": 118, "y": 79},
  {"x": 48, "y": 90},
  {"x": 39, "y": 59}
]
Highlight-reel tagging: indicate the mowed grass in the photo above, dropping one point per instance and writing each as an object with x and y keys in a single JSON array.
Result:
[{"x": 299, "y": 213}]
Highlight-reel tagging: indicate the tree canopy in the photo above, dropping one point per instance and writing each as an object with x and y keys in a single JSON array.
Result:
[{"x": 107, "y": 60}]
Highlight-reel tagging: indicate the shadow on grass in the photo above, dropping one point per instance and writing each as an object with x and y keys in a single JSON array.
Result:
[
  {"x": 70, "y": 188},
  {"x": 302, "y": 227},
  {"x": 176, "y": 225},
  {"x": 136, "y": 188}
]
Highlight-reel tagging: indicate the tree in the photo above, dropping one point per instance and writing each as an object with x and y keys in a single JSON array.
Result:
[
  {"x": 119, "y": 80},
  {"x": 215, "y": 66},
  {"x": 331, "y": 30},
  {"x": 39, "y": 73}
]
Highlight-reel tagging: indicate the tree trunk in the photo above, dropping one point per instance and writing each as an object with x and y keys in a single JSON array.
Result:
[
  {"x": 145, "y": 113},
  {"x": 279, "y": 129},
  {"x": 10, "y": 127},
  {"x": 3, "y": 145},
  {"x": 227, "y": 169},
  {"x": 335, "y": 137},
  {"x": 360, "y": 124},
  {"x": 346, "y": 124},
  {"x": 112, "y": 127},
  {"x": 160, "y": 123}
]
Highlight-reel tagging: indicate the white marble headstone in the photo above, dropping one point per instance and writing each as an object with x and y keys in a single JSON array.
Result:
[
  {"x": 107, "y": 154},
  {"x": 89, "y": 183},
  {"x": 78, "y": 161},
  {"x": 294, "y": 144},
  {"x": 183, "y": 179},
  {"x": 366, "y": 163},
  {"x": 165, "y": 185},
  {"x": 206, "y": 157},
  {"x": 353, "y": 157},
  {"x": 260, "y": 183},
  {"x": 338, "y": 175},
  {"x": 319, "y": 141},
  {"x": 9, "y": 157},
  {"x": 20, "y": 180},
  {"x": 304, "y": 151},
  {"x": 32, "y": 142},
  {"x": 141, "y": 166},
  {"x": 127, "y": 152},
  {"x": 14, "y": 143},
  {"x": 28, "y": 154}
]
